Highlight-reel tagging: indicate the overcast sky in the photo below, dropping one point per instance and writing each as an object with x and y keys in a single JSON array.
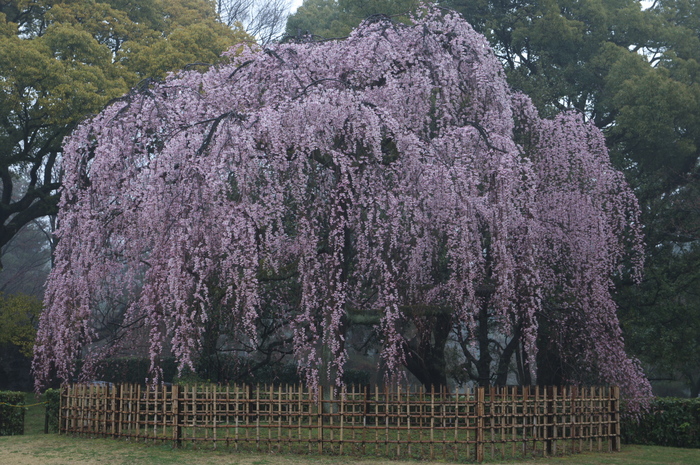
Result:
[{"x": 296, "y": 4}]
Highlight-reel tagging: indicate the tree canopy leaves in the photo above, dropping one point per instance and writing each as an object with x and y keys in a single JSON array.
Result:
[{"x": 62, "y": 61}]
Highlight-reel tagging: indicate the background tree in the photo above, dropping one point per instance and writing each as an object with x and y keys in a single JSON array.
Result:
[
  {"x": 659, "y": 110},
  {"x": 263, "y": 19},
  {"x": 392, "y": 173},
  {"x": 336, "y": 18},
  {"x": 60, "y": 62},
  {"x": 633, "y": 72},
  {"x": 19, "y": 318}
]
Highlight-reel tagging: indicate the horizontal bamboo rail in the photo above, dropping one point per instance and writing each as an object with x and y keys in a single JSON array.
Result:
[{"x": 469, "y": 424}]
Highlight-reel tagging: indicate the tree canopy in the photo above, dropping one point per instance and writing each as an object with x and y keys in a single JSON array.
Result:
[
  {"x": 19, "y": 315},
  {"x": 60, "y": 62},
  {"x": 393, "y": 173},
  {"x": 336, "y": 18}
]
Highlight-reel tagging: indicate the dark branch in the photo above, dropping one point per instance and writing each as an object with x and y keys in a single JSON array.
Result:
[
  {"x": 484, "y": 135},
  {"x": 243, "y": 65}
]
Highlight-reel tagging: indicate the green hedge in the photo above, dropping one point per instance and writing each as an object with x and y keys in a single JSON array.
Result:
[
  {"x": 222, "y": 368},
  {"x": 11, "y": 413},
  {"x": 670, "y": 422},
  {"x": 133, "y": 369},
  {"x": 53, "y": 406}
]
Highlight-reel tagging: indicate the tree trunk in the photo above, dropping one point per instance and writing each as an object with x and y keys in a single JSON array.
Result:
[
  {"x": 506, "y": 356},
  {"x": 484, "y": 364},
  {"x": 694, "y": 383},
  {"x": 426, "y": 352},
  {"x": 550, "y": 370}
]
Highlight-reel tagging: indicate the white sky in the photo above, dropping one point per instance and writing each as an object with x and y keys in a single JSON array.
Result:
[{"x": 296, "y": 4}]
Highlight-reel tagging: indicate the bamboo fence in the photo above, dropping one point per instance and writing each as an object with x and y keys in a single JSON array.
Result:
[{"x": 469, "y": 424}]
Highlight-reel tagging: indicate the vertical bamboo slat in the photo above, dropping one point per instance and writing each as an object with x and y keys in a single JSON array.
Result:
[
  {"x": 342, "y": 418},
  {"x": 319, "y": 418},
  {"x": 615, "y": 407},
  {"x": 480, "y": 424},
  {"x": 432, "y": 423},
  {"x": 386, "y": 420},
  {"x": 408, "y": 422}
]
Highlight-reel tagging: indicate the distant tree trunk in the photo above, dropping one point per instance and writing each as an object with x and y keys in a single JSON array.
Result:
[
  {"x": 483, "y": 366},
  {"x": 523, "y": 363},
  {"x": 505, "y": 358},
  {"x": 550, "y": 370},
  {"x": 210, "y": 366},
  {"x": 694, "y": 383},
  {"x": 426, "y": 352}
]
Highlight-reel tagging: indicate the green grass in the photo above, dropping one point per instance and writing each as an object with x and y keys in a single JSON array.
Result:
[
  {"x": 56, "y": 449},
  {"x": 35, "y": 416}
]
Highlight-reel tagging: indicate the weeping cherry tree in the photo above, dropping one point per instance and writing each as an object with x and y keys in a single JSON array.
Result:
[{"x": 386, "y": 172}]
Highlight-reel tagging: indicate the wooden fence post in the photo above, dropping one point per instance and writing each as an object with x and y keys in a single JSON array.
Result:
[
  {"x": 177, "y": 416},
  {"x": 550, "y": 393},
  {"x": 615, "y": 412},
  {"x": 116, "y": 410},
  {"x": 480, "y": 424},
  {"x": 62, "y": 402},
  {"x": 365, "y": 409},
  {"x": 432, "y": 422},
  {"x": 319, "y": 411}
]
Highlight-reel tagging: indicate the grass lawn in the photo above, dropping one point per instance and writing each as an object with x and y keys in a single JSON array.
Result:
[{"x": 36, "y": 448}]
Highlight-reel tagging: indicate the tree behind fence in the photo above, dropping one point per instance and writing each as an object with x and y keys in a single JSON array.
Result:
[{"x": 469, "y": 424}]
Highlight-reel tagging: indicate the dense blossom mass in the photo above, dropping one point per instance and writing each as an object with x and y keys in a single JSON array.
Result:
[{"x": 389, "y": 169}]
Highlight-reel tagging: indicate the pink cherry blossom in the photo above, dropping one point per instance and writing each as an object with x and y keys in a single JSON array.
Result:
[{"x": 392, "y": 168}]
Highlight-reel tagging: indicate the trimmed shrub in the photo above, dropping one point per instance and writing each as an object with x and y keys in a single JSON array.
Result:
[
  {"x": 133, "y": 369},
  {"x": 11, "y": 413},
  {"x": 670, "y": 422},
  {"x": 357, "y": 377},
  {"x": 228, "y": 368},
  {"x": 221, "y": 368},
  {"x": 53, "y": 406}
]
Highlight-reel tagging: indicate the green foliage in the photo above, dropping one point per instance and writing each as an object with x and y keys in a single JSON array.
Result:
[
  {"x": 133, "y": 369},
  {"x": 319, "y": 17},
  {"x": 53, "y": 408},
  {"x": 63, "y": 61},
  {"x": 11, "y": 413},
  {"x": 227, "y": 368},
  {"x": 662, "y": 316},
  {"x": 670, "y": 422},
  {"x": 19, "y": 316},
  {"x": 198, "y": 43},
  {"x": 336, "y": 18},
  {"x": 219, "y": 368}
]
